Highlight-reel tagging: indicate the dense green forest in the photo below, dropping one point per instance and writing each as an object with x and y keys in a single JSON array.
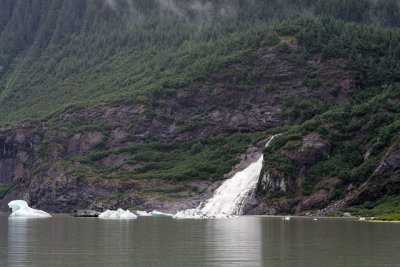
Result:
[
  {"x": 60, "y": 56},
  {"x": 57, "y": 53}
]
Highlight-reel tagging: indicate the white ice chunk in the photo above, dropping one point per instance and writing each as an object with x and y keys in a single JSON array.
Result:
[
  {"x": 117, "y": 214},
  {"x": 142, "y": 213},
  {"x": 199, "y": 214},
  {"x": 154, "y": 213},
  {"x": 20, "y": 209},
  {"x": 189, "y": 214}
]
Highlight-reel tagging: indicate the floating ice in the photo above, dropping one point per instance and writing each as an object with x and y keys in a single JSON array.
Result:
[
  {"x": 117, "y": 214},
  {"x": 189, "y": 214},
  {"x": 160, "y": 214},
  {"x": 199, "y": 214},
  {"x": 143, "y": 213},
  {"x": 230, "y": 197},
  {"x": 20, "y": 209},
  {"x": 153, "y": 213}
]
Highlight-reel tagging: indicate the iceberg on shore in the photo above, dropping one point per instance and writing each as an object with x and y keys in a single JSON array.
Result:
[
  {"x": 21, "y": 209},
  {"x": 117, "y": 214}
]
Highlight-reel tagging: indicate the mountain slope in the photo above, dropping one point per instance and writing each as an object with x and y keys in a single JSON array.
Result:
[{"x": 139, "y": 104}]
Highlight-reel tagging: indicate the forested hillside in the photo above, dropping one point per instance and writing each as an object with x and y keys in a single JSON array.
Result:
[
  {"x": 135, "y": 100},
  {"x": 55, "y": 53}
]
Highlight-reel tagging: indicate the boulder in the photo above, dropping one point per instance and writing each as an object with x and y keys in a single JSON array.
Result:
[{"x": 85, "y": 213}]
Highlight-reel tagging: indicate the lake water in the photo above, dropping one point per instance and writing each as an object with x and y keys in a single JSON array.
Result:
[{"x": 151, "y": 241}]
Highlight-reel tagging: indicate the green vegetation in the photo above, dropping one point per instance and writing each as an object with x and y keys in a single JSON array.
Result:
[
  {"x": 121, "y": 196},
  {"x": 201, "y": 158},
  {"x": 168, "y": 190},
  {"x": 42, "y": 168},
  {"x": 4, "y": 188},
  {"x": 387, "y": 205},
  {"x": 387, "y": 217},
  {"x": 145, "y": 52},
  {"x": 303, "y": 110},
  {"x": 353, "y": 131}
]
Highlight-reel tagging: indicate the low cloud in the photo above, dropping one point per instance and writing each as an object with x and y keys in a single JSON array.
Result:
[
  {"x": 188, "y": 10},
  {"x": 171, "y": 6},
  {"x": 111, "y": 3},
  {"x": 201, "y": 7}
]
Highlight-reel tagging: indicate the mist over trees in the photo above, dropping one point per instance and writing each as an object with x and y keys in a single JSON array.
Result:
[{"x": 55, "y": 48}]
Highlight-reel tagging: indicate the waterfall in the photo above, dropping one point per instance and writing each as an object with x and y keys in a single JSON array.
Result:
[{"x": 229, "y": 198}]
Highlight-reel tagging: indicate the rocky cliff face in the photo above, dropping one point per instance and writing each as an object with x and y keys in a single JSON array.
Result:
[
  {"x": 32, "y": 156},
  {"x": 16, "y": 151},
  {"x": 325, "y": 166},
  {"x": 285, "y": 194},
  {"x": 385, "y": 179}
]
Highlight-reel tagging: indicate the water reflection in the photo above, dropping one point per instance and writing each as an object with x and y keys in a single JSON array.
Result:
[
  {"x": 146, "y": 242},
  {"x": 235, "y": 242},
  {"x": 329, "y": 242},
  {"x": 245, "y": 241},
  {"x": 18, "y": 247}
]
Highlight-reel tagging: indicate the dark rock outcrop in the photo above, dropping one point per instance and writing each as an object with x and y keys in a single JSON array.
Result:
[
  {"x": 312, "y": 150},
  {"x": 85, "y": 213},
  {"x": 384, "y": 181}
]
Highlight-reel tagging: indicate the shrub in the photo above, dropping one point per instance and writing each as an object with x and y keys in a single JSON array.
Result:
[
  {"x": 42, "y": 168},
  {"x": 5, "y": 188}
]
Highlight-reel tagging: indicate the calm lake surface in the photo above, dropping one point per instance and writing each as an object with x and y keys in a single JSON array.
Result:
[{"x": 151, "y": 241}]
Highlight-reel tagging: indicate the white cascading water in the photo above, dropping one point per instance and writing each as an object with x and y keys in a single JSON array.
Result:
[{"x": 229, "y": 197}]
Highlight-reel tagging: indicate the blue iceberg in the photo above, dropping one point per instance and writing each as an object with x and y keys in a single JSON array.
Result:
[
  {"x": 160, "y": 214},
  {"x": 21, "y": 209}
]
